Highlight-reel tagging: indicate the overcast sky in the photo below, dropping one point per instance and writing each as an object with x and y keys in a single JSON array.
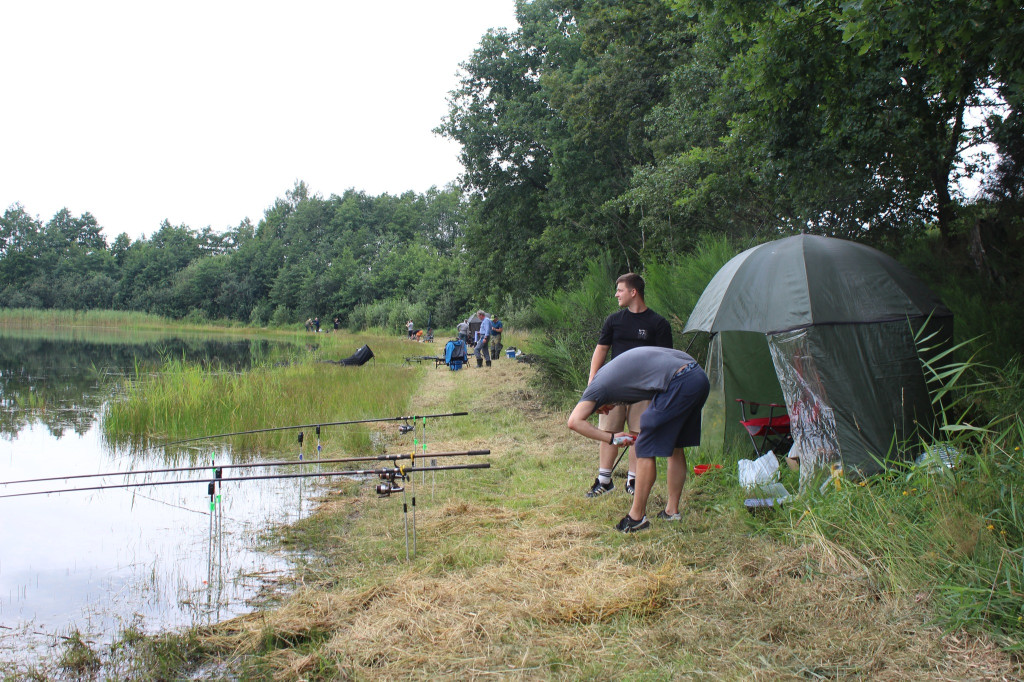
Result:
[{"x": 203, "y": 113}]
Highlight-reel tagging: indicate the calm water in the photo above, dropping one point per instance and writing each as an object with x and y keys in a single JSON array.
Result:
[{"x": 153, "y": 557}]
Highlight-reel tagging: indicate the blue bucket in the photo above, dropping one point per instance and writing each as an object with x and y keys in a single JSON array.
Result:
[{"x": 511, "y": 354}]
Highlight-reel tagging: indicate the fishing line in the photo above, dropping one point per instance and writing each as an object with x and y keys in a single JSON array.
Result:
[
  {"x": 310, "y": 426},
  {"x": 619, "y": 459},
  {"x": 169, "y": 504}
]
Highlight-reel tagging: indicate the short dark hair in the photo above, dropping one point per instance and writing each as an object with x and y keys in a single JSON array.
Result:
[{"x": 632, "y": 281}]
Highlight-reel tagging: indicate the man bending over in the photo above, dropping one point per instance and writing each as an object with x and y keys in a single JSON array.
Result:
[{"x": 677, "y": 388}]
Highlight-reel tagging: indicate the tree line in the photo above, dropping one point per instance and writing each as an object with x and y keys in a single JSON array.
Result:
[
  {"x": 336, "y": 257},
  {"x": 625, "y": 131}
]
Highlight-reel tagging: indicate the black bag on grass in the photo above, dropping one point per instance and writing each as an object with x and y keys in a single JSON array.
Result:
[{"x": 360, "y": 357}]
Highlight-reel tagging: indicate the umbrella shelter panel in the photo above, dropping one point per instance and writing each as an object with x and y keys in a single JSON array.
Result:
[
  {"x": 739, "y": 367},
  {"x": 854, "y": 413}
]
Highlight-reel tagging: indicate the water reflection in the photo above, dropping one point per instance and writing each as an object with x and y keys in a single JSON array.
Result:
[
  {"x": 57, "y": 379},
  {"x": 152, "y": 557}
]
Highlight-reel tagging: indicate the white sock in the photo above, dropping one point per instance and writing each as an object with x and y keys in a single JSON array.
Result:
[{"x": 604, "y": 476}]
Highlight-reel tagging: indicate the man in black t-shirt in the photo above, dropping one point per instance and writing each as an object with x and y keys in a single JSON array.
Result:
[{"x": 634, "y": 326}]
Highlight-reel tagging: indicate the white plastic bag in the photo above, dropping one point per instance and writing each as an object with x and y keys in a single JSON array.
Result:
[{"x": 759, "y": 472}]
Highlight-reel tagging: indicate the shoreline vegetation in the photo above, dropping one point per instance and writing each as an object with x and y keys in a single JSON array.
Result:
[
  {"x": 184, "y": 400},
  {"x": 913, "y": 574}
]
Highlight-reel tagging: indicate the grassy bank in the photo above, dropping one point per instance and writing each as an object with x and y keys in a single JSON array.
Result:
[{"x": 518, "y": 576}]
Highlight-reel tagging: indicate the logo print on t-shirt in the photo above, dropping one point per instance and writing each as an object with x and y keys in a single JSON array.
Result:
[{"x": 641, "y": 333}]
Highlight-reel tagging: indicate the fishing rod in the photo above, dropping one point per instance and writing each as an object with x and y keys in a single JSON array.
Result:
[
  {"x": 309, "y": 426},
  {"x": 391, "y": 473},
  {"x": 249, "y": 465}
]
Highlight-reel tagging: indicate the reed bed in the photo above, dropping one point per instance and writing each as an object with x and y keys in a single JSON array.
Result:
[
  {"x": 32, "y": 317},
  {"x": 182, "y": 400}
]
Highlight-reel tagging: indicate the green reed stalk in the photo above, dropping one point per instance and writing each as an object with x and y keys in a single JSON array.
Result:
[{"x": 184, "y": 400}]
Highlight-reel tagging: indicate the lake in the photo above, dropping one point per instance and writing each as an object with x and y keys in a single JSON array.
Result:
[{"x": 151, "y": 557}]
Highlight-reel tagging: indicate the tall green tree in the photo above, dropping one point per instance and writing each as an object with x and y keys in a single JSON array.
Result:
[
  {"x": 612, "y": 78},
  {"x": 21, "y": 242},
  {"x": 498, "y": 116},
  {"x": 552, "y": 120},
  {"x": 855, "y": 114}
]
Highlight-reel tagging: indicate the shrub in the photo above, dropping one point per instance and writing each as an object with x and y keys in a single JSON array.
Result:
[
  {"x": 390, "y": 314},
  {"x": 573, "y": 319},
  {"x": 281, "y": 316},
  {"x": 572, "y": 322}
]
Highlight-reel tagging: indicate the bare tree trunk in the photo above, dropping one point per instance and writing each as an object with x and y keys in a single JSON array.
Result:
[{"x": 976, "y": 250}]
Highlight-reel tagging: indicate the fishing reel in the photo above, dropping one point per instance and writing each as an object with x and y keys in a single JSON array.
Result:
[
  {"x": 406, "y": 428},
  {"x": 390, "y": 484}
]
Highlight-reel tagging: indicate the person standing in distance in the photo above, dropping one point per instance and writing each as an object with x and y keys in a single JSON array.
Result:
[
  {"x": 634, "y": 326},
  {"x": 482, "y": 338},
  {"x": 496, "y": 329}
]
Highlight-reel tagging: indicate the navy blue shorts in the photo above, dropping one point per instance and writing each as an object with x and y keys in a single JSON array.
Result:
[{"x": 673, "y": 418}]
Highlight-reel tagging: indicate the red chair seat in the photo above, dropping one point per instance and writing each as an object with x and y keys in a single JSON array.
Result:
[
  {"x": 766, "y": 432},
  {"x": 766, "y": 425}
]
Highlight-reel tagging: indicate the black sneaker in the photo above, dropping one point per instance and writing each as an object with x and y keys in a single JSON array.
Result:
[
  {"x": 665, "y": 516},
  {"x": 630, "y": 485},
  {"x": 599, "y": 488},
  {"x": 628, "y": 525}
]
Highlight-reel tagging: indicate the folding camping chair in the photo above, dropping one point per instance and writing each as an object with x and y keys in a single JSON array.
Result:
[{"x": 772, "y": 431}]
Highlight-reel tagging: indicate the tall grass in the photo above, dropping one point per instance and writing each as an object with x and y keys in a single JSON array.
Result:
[
  {"x": 390, "y": 314},
  {"x": 31, "y": 317},
  {"x": 572, "y": 322},
  {"x": 184, "y": 400},
  {"x": 673, "y": 287}
]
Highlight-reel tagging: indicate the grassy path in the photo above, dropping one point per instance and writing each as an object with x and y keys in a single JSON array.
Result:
[{"x": 519, "y": 577}]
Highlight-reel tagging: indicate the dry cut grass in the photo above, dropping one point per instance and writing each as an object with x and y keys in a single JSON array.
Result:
[{"x": 519, "y": 577}]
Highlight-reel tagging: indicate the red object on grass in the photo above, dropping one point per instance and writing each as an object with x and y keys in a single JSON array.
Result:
[{"x": 699, "y": 469}]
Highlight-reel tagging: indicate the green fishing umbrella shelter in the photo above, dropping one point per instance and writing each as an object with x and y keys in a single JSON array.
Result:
[{"x": 828, "y": 327}]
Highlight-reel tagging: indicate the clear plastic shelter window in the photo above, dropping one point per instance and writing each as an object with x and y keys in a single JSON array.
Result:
[{"x": 812, "y": 421}]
